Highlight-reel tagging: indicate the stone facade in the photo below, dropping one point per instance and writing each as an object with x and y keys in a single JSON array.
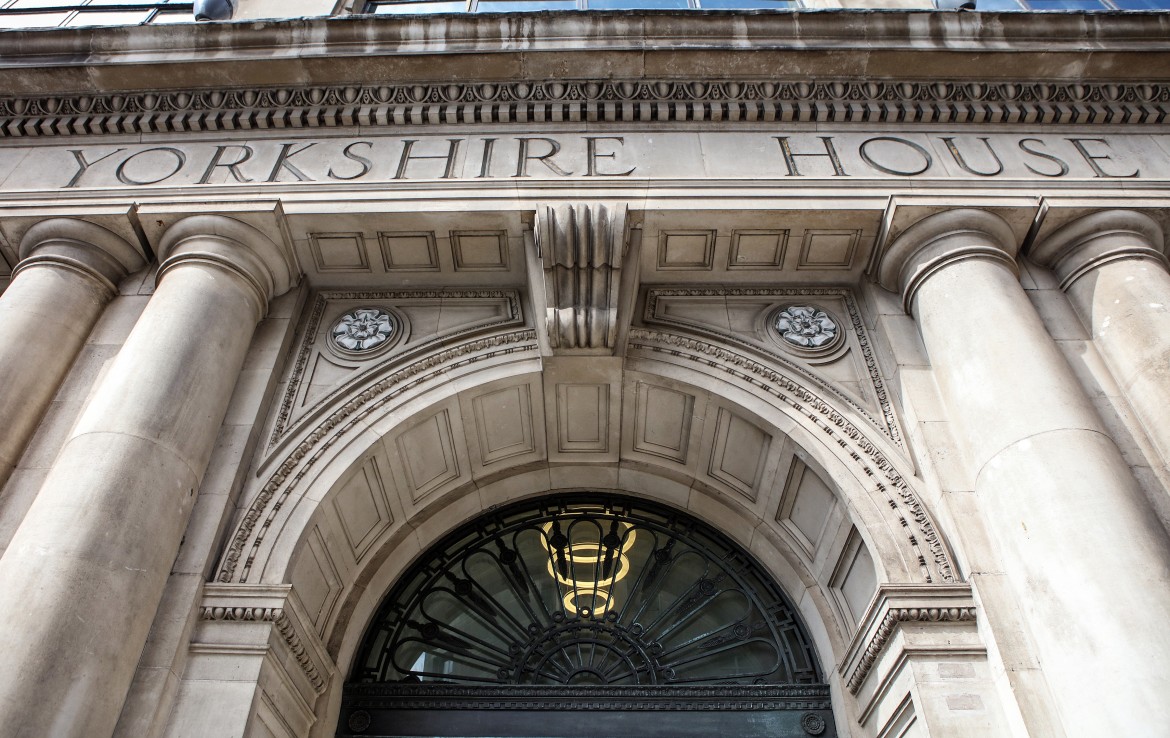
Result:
[{"x": 880, "y": 296}]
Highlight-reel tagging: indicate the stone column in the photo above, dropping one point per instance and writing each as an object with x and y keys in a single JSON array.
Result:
[
  {"x": 68, "y": 271},
  {"x": 1087, "y": 560},
  {"x": 84, "y": 574},
  {"x": 1112, "y": 267}
]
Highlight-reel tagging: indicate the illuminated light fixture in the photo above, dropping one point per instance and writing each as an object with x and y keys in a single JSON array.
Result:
[{"x": 589, "y": 568}]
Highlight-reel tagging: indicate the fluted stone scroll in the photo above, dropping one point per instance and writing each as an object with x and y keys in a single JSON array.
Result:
[{"x": 581, "y": 248}]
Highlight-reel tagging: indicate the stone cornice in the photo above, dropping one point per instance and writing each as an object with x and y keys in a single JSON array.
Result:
[
  {"x": 893, "y": 605},
  {"x": 998, "y": 35},
  {"x": 890, "y": 67},
  {"x": 634, "y": 100},
  {"x": 273, "y": 604}
]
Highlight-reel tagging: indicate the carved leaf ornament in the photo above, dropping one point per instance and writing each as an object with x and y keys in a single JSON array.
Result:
[{"x": 587, "y": 590}]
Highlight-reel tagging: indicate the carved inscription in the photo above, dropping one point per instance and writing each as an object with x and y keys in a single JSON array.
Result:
[{"x": 775, "y": 155}]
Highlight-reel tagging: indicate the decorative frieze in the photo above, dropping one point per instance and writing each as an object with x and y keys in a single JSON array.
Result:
[{"x": 616, "y": 101}]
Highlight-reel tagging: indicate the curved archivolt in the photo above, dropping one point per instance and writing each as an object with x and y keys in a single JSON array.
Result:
[{"x": 586, "y": 589}]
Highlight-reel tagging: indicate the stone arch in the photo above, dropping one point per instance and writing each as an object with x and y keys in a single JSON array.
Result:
[{"x": 341, "y": 561}]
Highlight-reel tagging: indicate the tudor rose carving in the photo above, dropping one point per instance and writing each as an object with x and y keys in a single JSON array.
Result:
[
  {"x": 363, "y": 330},
  {"x": 806, "y": 327}
]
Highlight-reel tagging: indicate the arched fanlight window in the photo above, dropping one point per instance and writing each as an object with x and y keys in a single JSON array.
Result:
[{"x": 587, "y": 590}]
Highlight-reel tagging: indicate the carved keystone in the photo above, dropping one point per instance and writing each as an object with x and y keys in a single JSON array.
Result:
[{"x": 581, "y": 248}]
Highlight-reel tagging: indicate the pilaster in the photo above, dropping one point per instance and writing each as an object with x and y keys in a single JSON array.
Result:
[
  {"x": 255, "y": 665},
  {"x": 918, "y": 657}
]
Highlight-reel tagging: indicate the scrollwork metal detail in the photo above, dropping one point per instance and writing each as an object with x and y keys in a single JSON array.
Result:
[{"x": 587, "y": 590}]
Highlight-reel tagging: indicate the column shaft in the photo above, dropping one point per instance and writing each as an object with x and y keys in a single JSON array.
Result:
[
  {"x": 83, "y": 576},
  {"x": 1113, "y": 269},
  {"x": 1126, "y": 305},
  {"x": 1087, "y": 559},
  {"x": 68, "y": 274},
  {"x": 46, "y": 314}
]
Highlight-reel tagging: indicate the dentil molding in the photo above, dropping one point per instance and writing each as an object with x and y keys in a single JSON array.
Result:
[
  {"x": 895, "y": 605},
  {"x": 558, "y": 100}
]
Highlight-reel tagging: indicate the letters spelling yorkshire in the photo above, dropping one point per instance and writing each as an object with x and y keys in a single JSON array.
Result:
[{"x": 617, "y": 156}]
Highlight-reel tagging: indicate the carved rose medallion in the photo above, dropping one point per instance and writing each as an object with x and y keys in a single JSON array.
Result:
[
  {"x": 806, "y": 327},
  {"x": 363, "y": 330},
  {"x": 812, "y": 723}
]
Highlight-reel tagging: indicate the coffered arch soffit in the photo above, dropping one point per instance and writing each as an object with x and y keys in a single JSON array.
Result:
[{"x": 413, "y": 452}]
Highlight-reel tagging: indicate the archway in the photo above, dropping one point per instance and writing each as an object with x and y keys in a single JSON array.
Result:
[{"x": 806, "y": 483}]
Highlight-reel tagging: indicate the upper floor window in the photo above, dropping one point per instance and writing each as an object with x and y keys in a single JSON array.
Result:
[{"x": 56, "y": 13}]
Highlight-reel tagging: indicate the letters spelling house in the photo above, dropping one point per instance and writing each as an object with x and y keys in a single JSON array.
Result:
[{"x": 584, "y": 369}]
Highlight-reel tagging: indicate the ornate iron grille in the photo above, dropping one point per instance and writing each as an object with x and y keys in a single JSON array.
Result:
[{"x": 587, "y": 590}]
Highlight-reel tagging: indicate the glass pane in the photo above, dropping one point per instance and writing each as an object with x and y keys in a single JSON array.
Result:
[
  {"x": 636, "y": 4},
  {"x": 32, "y": 20},
  {"x": 410, "y": 8},
  {"x": 747, "y": 4},
  {"x": 518, "y": 6},
  {"x": 1142, "y": 4},
  {"x": 1066, "y": 5},
  {"x": 110, "y": 18}
]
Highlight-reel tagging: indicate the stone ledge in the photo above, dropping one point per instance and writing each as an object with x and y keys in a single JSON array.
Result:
[
  {"x": 263, "y": 604},
  {"x": 894, "y": 605}
]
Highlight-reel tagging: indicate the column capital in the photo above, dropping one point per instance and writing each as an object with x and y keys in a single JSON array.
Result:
[
  {"x": 1098, "y": 238},
  {"x": 941, "y": 239},
  {"x": 232, "y": 245},
  {"x": 82, "y": 246}
]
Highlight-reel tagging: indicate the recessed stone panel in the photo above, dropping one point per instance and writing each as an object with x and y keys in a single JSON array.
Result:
[
  {"x": 662, "y": 424},
  {"x": 739, "y": 453},
  {"x": 583, "y": 417},
  {"x": 828, "y": 249},
  {"x": 805, "y": 506},
  {"x": 856, "y": 579},
  {"x": 686, "y": 250},
  {"x": 427, "y": 453},
  {"x": 363, "y": 509},
  {"x": 503, "y": 423},
  {"x": 413, "y": 252},
  {"x": 339, "y": 252},
  {"x": 757, "y": 249},
  {"x": 315, "y": 580},
  {"x": 480, "y": 250}
]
